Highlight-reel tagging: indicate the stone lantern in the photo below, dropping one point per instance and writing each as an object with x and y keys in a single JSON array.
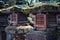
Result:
[{"x": 15, "y": 32}]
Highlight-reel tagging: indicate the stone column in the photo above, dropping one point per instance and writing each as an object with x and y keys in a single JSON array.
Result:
[{"x": 8, "y": 37}]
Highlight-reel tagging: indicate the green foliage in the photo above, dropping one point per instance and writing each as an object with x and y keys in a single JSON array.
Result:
[
  {"x": 30, "y": 18},
  {"x": 11, "y": 2},
  {"x": 2, "y": 4}
]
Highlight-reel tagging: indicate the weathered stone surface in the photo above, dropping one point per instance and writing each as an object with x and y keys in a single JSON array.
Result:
[{"x": 36, "y": 35}]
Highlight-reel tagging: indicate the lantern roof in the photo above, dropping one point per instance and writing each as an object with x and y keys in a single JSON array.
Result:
[{"x": 29, "y": 7}]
